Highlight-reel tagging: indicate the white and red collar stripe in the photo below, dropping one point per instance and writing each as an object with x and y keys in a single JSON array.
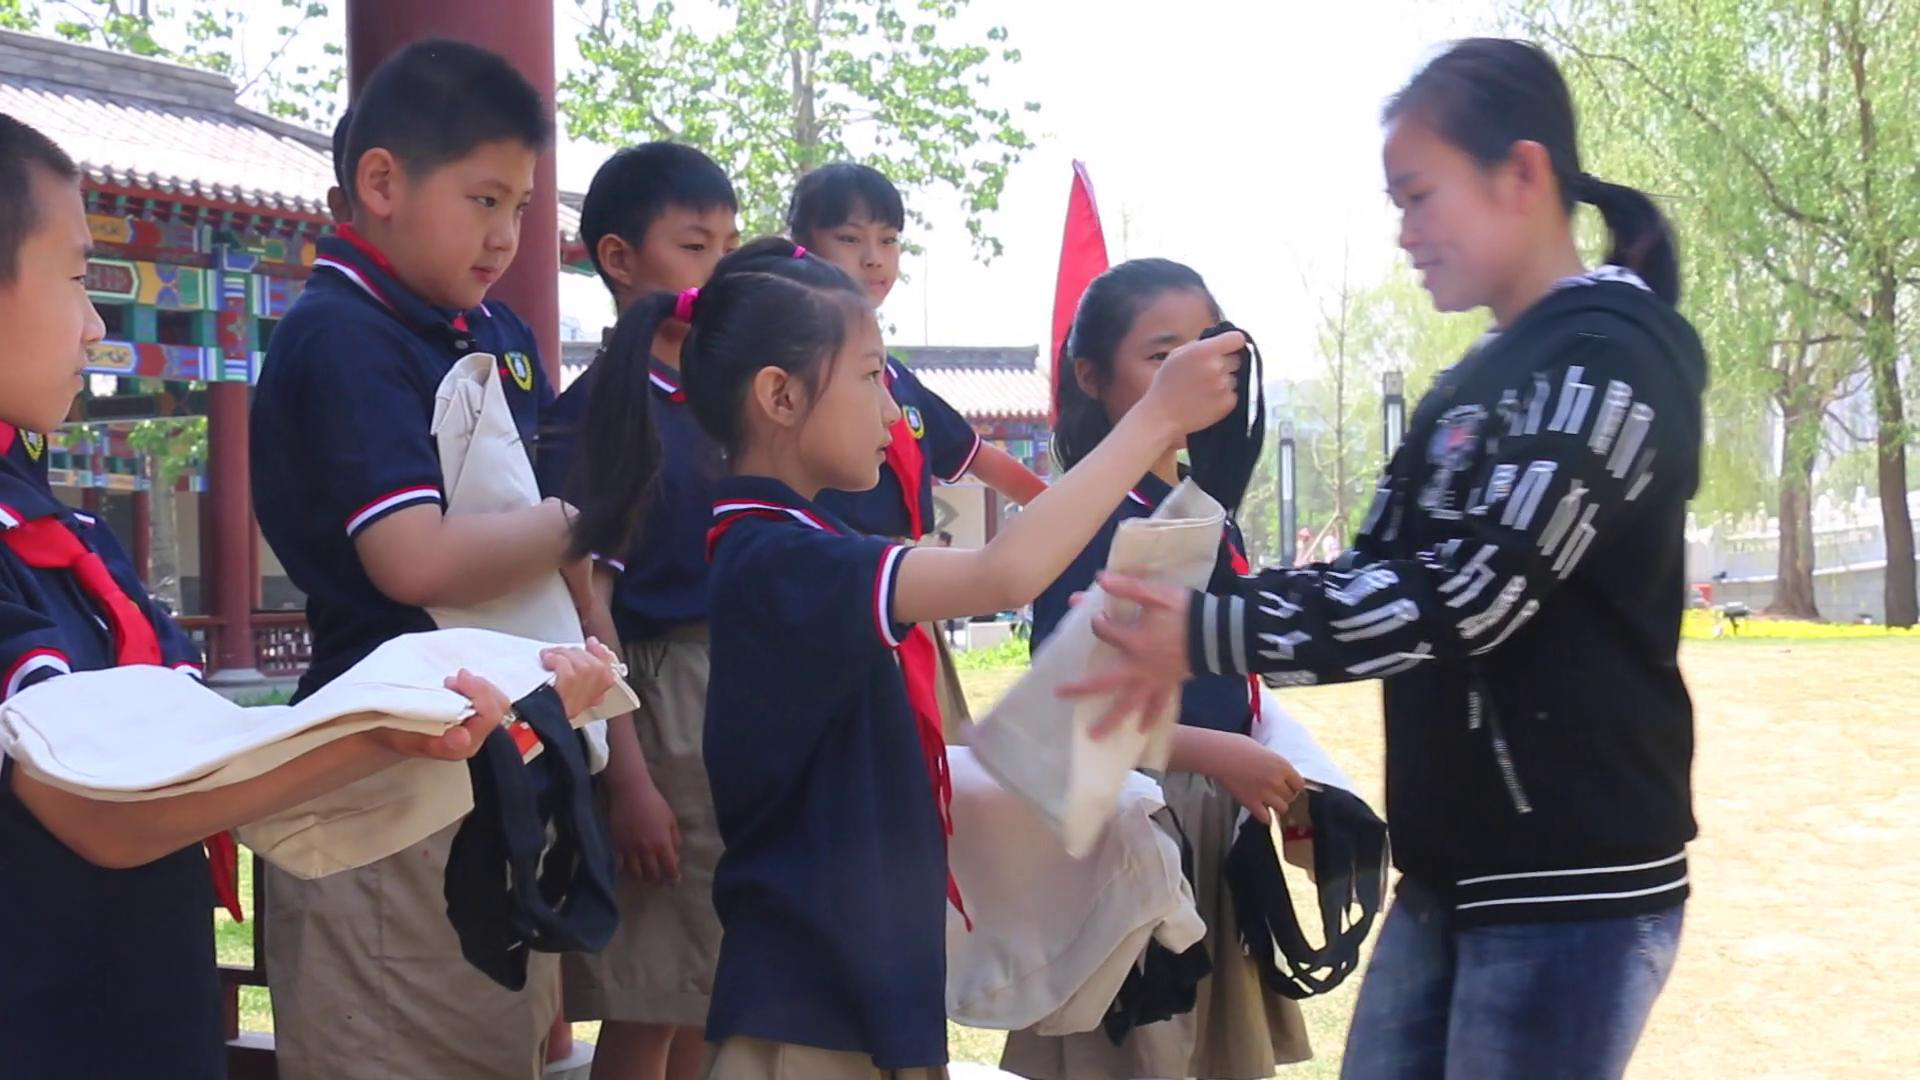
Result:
[
  {"x": 352, "y": 274},
  {"x": 662, "y": 383},
  {"x": 35, "y": 660},
  {"x": 739, "y": 506},
  {"x": 1139, "y": 498}
]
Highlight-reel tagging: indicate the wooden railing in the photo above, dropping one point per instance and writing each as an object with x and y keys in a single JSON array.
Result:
[{"x": 282, "y": 644}]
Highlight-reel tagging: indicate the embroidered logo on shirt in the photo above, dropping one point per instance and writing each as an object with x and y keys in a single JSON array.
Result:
[
  {"x": 1455, "y": 437},
  {"x": 521, "y": 368},
  {"x": 915, "y": 422},
  {"x": 35, "y": 444}
]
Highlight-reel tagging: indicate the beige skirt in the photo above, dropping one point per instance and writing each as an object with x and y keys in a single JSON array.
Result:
[
  {"x": 1236, "y": 1031},
  {"x": 746, "y": 1058},
  {"x": 368, "y": 982},
  {"x": 658, "y": 969}
]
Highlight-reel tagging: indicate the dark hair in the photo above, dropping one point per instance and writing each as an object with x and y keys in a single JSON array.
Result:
[
  {"x": 1485, "y": 94},
  {"x": 830, "y": 194},
  {"x": 435, "y": 101},
  {"x": 341, "y": 174},
  {"x": 22, "y": 149},
  {"x": 764, "y": 306},
  {"x": 639, "y": 183},
  {"x": 1105, "y": 315},
  {"x": 616, "y": 451}
]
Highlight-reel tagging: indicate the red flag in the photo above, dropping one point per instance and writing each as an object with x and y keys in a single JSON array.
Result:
[{"x": 1083, "y": 256}]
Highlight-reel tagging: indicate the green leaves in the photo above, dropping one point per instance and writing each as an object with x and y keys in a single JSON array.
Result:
[
  {"x": 782, "y": 86},
  {"x": 288, "y": 84}
]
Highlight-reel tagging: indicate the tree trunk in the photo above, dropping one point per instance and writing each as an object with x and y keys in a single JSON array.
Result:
[
  {"x": 1896, "y": 522},
  {"x": 1793, "y": 579},
  {"x": 165, "y": 574}
]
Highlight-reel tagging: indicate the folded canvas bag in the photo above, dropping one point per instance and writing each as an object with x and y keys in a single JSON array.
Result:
[
  {"x": 1036, "y": 744},
  {"x": 147, "y": 732},
  {"x": 1055, "y": 936},
  {"x": 485, "y": 470}
]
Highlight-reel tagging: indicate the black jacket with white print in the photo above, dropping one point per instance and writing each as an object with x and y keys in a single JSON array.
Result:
[{"x": 1518, "y": 584}]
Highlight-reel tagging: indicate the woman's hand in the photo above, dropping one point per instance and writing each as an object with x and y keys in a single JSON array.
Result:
[
  {"x": 1153, "y": 652},
  {"x": 581, "y": 676},
  {"x": 457, "y": 743}
]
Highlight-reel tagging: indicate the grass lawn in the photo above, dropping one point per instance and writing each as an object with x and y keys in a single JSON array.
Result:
[{"x": 1801, "y": 958}]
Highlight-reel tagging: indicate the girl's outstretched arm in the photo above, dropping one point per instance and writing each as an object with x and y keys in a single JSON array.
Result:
[{"x": 1193, "y": 388}]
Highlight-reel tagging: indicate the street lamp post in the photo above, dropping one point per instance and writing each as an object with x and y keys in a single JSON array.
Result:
[
  {"x": 1393, "y": 411},
  {"x": 1289, "y": 501}
]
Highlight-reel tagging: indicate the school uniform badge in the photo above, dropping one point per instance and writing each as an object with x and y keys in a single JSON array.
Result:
[
  {"x": 916, "y": 423},
  {"x": 34, "y": 443},
  {"x": 520, "y": 366}
]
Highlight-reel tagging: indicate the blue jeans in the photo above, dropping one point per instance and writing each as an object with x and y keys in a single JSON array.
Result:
[{"x": 1524, "y": 1001}]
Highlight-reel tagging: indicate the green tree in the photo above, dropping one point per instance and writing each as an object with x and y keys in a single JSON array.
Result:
[
  {"x": 787, "y": 85},
  {"x": 1788, "y": 130},
  {"x": 290, "y": 82}
]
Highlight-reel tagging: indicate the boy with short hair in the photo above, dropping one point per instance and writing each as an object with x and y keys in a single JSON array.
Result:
[
  {"x": 106, "y": 934},
  {"x": 657, "y": 218},
  {"x": 366, "y": 973}
]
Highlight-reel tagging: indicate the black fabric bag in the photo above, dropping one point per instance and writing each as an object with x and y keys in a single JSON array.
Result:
[
  {"x": 531, "y": 868},
  {"x": 1350, "y": 858}
]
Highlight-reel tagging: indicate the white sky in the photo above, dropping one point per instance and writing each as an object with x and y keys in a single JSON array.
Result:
[{"x": 1238, "y": 136}]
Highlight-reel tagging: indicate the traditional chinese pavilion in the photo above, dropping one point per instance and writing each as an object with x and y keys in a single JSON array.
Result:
[{"x": 204, "y": 216}]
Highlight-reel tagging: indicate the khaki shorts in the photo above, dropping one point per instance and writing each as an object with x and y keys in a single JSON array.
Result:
[
  {"x": 658, "y": 969},
  {"x": 368, "y": 982},
  {"x": 746, "y": 1058},
  {"x": 1236, "y": 1031}
]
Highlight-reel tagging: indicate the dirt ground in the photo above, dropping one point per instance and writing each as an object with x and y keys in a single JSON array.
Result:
[
  {"x": 1801, "y": 956},
  {"x": 1802, "y": 950}
]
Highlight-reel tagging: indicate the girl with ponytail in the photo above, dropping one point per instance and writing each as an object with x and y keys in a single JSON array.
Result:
[
  {"x": 1518, "y": 584},
  {"x": 1129, "y": 319},
  {"x": 830, "y": 786}
]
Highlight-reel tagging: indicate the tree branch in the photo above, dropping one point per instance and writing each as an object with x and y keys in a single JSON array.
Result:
[{"x": 1685, "y": 102}]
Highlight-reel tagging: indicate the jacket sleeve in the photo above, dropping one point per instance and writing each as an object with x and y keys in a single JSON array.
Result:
[{"x": 1517, "y": 492}]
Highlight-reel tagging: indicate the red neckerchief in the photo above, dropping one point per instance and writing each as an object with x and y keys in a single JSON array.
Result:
[
  {"x": 917, "y": 668},
  {"x": 48, "y": 544},
  {"x": 909, "y": 464}
]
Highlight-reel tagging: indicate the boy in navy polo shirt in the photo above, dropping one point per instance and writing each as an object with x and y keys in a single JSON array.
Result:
[
  {"x": 851, "y": 216},
  {"x": 657, "y": 218},
  {"x": 367, "y": 976},
  {"x": 105, "y": 930}
]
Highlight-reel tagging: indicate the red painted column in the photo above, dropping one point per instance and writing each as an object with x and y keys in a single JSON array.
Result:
[
  {"x": 521, "y": 31},
  {"x": 230, "y": 572}
]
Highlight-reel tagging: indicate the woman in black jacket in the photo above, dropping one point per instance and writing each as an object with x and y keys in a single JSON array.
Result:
[{"x": 1518, "y": 584}]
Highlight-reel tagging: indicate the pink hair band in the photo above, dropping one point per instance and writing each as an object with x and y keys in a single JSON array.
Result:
[
  {"x": 799, "y": 252},
  {"x": 683, "y": 305}
]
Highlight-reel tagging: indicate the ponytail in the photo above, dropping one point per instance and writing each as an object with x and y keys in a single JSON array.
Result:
[
  {"x": 616, "y": 451},
  {"x": 1641, "y": 239},
  {"x": 1483, "y": 95}
]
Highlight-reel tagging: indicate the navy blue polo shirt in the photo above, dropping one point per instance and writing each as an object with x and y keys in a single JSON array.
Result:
[
  {"x": 948, "y": 445},
  {"x": 832, "y": 889},
  {"x": 1220, "y": 702},
  {"x": 102, "y": 972},
  {"x": 663, "y": 579},
  {"x": 341, "y": 433}
]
